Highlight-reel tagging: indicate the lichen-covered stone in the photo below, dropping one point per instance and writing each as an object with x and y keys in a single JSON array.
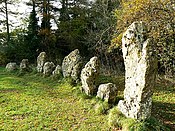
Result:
[
  {"x": 41, "y": 59},
  {"x": 58, "y": 71},
  {"x": 11, "y": 66},
  {"x": 24, "y": 65},
  {"x": 89, "y": 75},
  {"x": 72, "y": 64},
  {"x": 107, "y": 92},
  {"x": 141, "y": 67},
  {"x": 48, "y": 68}
]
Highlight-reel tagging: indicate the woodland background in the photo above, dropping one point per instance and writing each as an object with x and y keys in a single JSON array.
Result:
[{"x": 93, "y": 27}]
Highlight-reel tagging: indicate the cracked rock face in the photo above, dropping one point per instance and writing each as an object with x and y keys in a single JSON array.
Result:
[
  {"x": 88, "y": 76},
  {"x": 140, "y": 72},
  {"x": 48, "y": 68},
  {"x": 107, "y": 92},
  {"x": 71, "y": 66},
  {"x": 41, "y": 59},
  {"x": 24, "y": 65}
]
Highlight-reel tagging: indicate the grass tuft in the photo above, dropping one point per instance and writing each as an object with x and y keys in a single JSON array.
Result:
[
  {"x": 115, "y": 118},
  {"x": 118, "y": 121},
  {"x": 102, "y": 107}
]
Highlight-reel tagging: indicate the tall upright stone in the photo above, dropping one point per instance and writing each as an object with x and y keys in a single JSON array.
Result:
[
  {"x": 41, "y": 59},
  {"x": 140, "y": 72},
  {"x": 89, "y": 75},
  {"x": 71, "y": 65}
]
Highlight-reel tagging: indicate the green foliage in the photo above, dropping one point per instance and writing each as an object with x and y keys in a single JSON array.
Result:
[
  {"x": 3, "y": 58},
  {"x": 72, "y": 29},
  {"x": 159, "y": 17}
]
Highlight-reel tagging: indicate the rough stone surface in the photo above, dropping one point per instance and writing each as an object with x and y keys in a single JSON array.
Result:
[
  {"x": 11, "y": 66},
  {"x": 24, "y": 65},
  {"x": 107, "y": 92},
  {"x": 88, "y": 76},
  {"x": 48, "y": 68},
  {"x": 140, "y": 72},
  {"x": 72, "y": 65},
  {"x": 41, "y": 59},
  {"x": 58, "y": 71}
]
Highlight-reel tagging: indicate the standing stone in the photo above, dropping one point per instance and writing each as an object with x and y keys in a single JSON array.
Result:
[
  {"x": 72, "y": 64},
  {"x": 141, "y": 67},
  {"x": 24, "y": 65},
  {"x": 57, "y": 72},
  {"x": 11, "y": 66},
  {"x": 107, "y": 92},
  {"x": 88, "y": 76},
  {"x": 48, "y": 68},
  {"x": 41, "y": 59}
]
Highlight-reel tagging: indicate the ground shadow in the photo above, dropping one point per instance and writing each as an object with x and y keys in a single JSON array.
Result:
[{"x": 165, "y": 112}]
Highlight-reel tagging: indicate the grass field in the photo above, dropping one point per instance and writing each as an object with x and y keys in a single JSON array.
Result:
[{"x": 32, "y": 102}]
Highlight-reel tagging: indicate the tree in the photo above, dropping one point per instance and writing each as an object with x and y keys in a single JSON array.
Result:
[
  {"x": 100, "y": 32},
  {"x": 72, "y": 25},
  {"x": 5, "y": 12},
  {"x": 7, "y": 24},
  {"x": 32, "y": 37},
  {"x": 47, "y": 37},
  {"x": 159, "y": 16},
  {"x": 64, "y": 15},
  {"x": 5, "y": 37}
]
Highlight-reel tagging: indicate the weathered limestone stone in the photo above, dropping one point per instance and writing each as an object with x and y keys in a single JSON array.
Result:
[
  {"x": 11, "y": 66},
  {"x": 48, "y": 68},
  {"x": 141, "y": 67},
  {"x": 107, "y": 92},
  {"x": 88, "y": 76},
  {"x": 58, "y": 71},
  {"x": 41, "y": 59},
  {"x": 72, "y": 65},
  {"x": 24, "y": 65}
]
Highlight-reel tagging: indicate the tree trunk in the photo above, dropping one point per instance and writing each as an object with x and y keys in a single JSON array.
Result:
[{"x": 7, "y": 24}]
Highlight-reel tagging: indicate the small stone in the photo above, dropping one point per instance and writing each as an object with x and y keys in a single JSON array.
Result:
[
  {"x": 58, "y": 71},
  {"x": 48, "y": 68},
  {"x": 107, "y": 92},
  {"x": 11, "y": 66},
  {"x": 41, "y": 59},
  {"x": 89, "y": 75},
  {"x": 24, "y": 65}
]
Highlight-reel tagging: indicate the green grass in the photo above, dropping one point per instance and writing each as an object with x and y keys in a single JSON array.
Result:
[
  {"x": 33, "y": 102},
  {"x": 164, "y": 102},
  {"x": 119, "y": 122},
  {"x": 30, "y": 102}
]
